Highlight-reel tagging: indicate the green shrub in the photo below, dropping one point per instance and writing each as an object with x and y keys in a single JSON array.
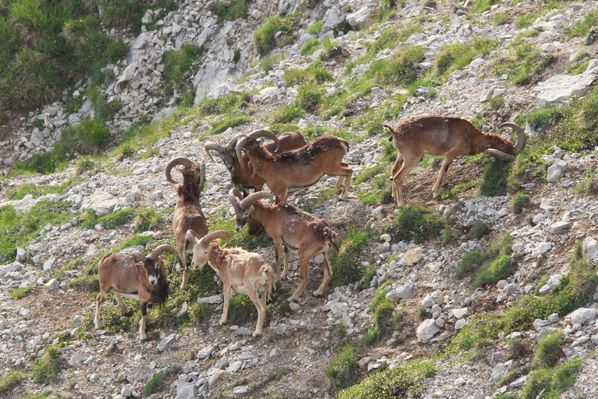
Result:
[
  {"x": 47, "y": 47},
  {"x": 10, "y": 380},
  {"x": 457, "y": 56},
  {"x": 495, "y": 178},
  {"x": 499, "y": 269},
  {"x": 417, "y": 224},
  {"x": 525, "y": 21},
  {"x": 230, "y": 103},
  {"x": 37, "y": 190},
  {"x": 110, "y": 221},
  {"x": 343, "y": 368},
  {"x": 583, "y": 27},
  {"x": 264, "y": 36},
  {"x": 21, "y": 292},
  {"x": 309, "y": 97},
  {"x": 549, "y": 383},
  {"x": 400, "y": 69},
  {"x": 288, "y": 114},
  {"x": 479, "y": 6},
  {"x": 346, "y": 268},
  {"x": 386, "y": 320},
  {"x": 489, "y": 266},
  {"x": 316, "y": 27},
  {"x": 47, "y": 367},
  {"x": 227, "y": 121},
  {"x": 20, "y": 228},
  {"x": 104, "y": 109},
  {"x": 241, "y": 310},
  {"x": 543, "y": 118},
  {"x": 520, "y": 201},
  {"x": 548, "y": 351},
  {"x": 89, "y": 137},
  {"x": 404, "y": 381},
  {"x": 178, "y": 65},
  {"x": 524, "y": 64},
  {"x": 314, "y": 73},
  {"x": 231, "y": 10},
  {"x": 157, "y": 382},
  {"x": 147, "y": 219},
  {"x": 86, "y": 164},
  {"x": 309, "y": 47}
]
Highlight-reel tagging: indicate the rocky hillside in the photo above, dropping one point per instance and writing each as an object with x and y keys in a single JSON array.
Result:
[{"x": 489, "y": 291}]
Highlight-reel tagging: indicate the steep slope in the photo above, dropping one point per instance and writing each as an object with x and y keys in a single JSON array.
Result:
[{"x": 489, "y": 291}]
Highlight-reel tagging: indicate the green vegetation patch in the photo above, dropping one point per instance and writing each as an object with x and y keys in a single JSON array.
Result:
[
  {"x": 346, "y": 268},
  {"x": 158, "y": 382},
  {"x": 572, "y": 127},
  {"x": 457, "y": 56},
  {"x": 314, "y": 73},
  {"x": 489, "y": 266},
  {"x": 21, "y": 292},
  {"x": 576, "y": 290},
  {"x": 583, "y": 27},
  {"x": 524, "y": 64},
  {"x": 288, "y": 113},
  {"x": 178, "y": 67},
  {"x": 47, "y": 46},
  {"x": 231, "y": 10},
  {"x": 20, "y": 228},
  {"x": 548, "y": 351},
  {"x": 402, "y": 382},
  {"x": 519, "y": 202},
  {"x": 109, "y": 221},
  {"x": 10, "y": 380},
  {"x": 386, "y": 319},
  {"x": 343, "y": 369},
  {"x": 495, "y": 178},
  {"x": 47, "y": 367},
  {"x": 417, "y": 224},
  {"x": 309, "y": 97},
  {"x": 264, "y": 36},
  {"x": 549, "y": 383},
  {"x": 309, "y": 47},
  {"x": 400, "y": 69},
  {"x": 37, "y": 190},
  {"x": 88, "y": 138}
]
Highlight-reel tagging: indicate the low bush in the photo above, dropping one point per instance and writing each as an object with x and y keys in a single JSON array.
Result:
[
  {"x": 519, "y": 201},
  {"x": 489, "y": 266},
  {"x": 343, "y": 369},
  {"x": 457, "y": 56},
  {"x": 21, "y": 292},
  {"x": 288, "y": 114},
  {"x": 309, "y": 97},
  {"x": 10, "y": 380},
  {"x": 264, "y": 36},
  {"x": 231, "y": 10},
  {"x": 400, "y": 69},
  {"x": 548, "y": 351},
  {"x": 109, "y": 221},
  {"x": 417, "y": 224},
  {"x": 47, "y": 367},
  {"x": 495, "y": 178},
  {"x": 346, "y": 268},
  {"x": 20, "y": 228},
  {"x": 524, "y": 64},
  {"x": 403, "y": 381}
]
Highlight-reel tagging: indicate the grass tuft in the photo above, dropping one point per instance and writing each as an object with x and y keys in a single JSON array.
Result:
[
  {"x": 343, "y": 369},
  {"x": 10, "y": 380},
  {"x": 346, "y": 268},
  {"x": 265, "y": 36},
  {"x": 47, "y": 367},
  {"x": 417, "y": 224}
]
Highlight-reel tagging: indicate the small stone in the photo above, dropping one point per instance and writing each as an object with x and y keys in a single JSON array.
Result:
[
  {"x": 428, "y": 301},
  {"x": 403, "y": 291},
  {"x": 459, "y": 313},
  {"x": 553, "y": 283},
  {"x": 581, "y": 340},
  {"x": 235, "y": 366},
  {"x": 582, "y": 315},
  {"x": 560, "y": 227},
  {"x": 52, "y": 284},
  {"x": 167, "y": 342},
  {"x": 594, "y": 339},
  {"x": 241, "y": 390},
  {"x": 590, "y": 250},
  {"x": 49, "y": 264},
  {"x": 426, "y": 330},
  {"x": 412, "y": 256},
  {"x": 210, "y": 300},
  {"x": 214, "y": 377}
]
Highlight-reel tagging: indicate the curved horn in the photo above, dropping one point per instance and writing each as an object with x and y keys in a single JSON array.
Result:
[
  {"x": 205, "y": 240},
  {"x": 521, "y": 136},
  {"x": 202, "y": 177},
  {"x": 161, "y": 249},
  {"x": 256, "y": 134},
  {"x": 247, "y": 202},
  {"x": 499, "y": 154},
  {"x": 209, "y": 147},
  {"x": 390, "y": 128},
  {"x": 177, "y": 161}
]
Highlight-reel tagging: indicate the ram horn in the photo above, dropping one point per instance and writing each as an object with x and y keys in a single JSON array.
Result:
[{"x": 177, "y": 161}]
